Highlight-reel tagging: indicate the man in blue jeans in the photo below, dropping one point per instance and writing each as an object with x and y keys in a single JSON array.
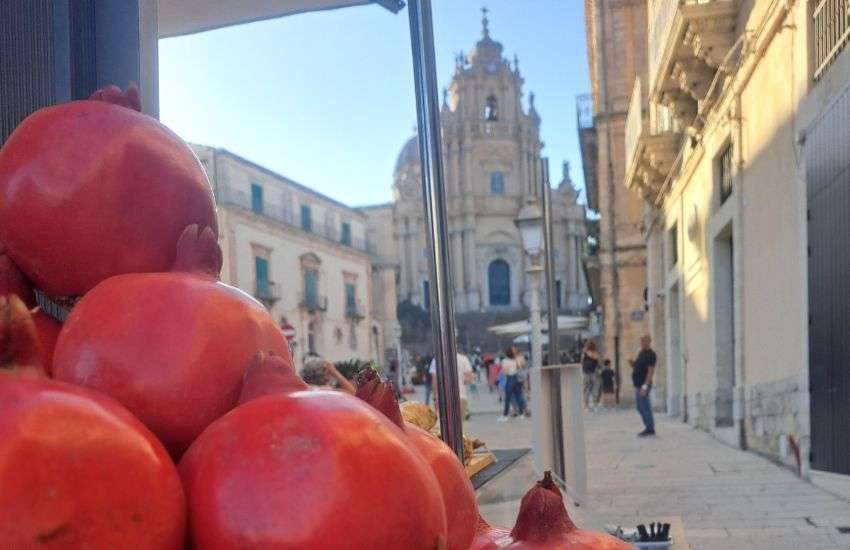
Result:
[{"x": 643, "y": 367}]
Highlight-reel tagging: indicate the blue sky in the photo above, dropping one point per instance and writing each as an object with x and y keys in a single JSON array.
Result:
[{"x": 327, "y": 98}]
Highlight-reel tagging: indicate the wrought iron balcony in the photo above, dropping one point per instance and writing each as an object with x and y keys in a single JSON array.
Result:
[
  {"x": 354, "y": 310},
  {"x": 313, "y": 302},
  {"x": 688, "y": 41},
  {"x": 651, "y": 145},
  {"x": 268, "y": 293}
]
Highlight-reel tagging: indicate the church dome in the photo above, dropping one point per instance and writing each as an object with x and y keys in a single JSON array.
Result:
[{"x": 409, "y": 154}]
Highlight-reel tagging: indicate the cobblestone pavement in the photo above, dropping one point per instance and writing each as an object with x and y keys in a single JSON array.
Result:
[{"x": 726, "y": 498}]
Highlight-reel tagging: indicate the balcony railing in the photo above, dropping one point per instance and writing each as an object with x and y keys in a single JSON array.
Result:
[
  {"x": 313, "y": 302},
  {"x": 660, "y": 23},
  {"x": 831, "y": 31},
  {"x": 354, "y": 310},
  {"x": 267, "y": 292},
  {"x": 635, "y": 122},
  {"x": 284, "y": 215}
]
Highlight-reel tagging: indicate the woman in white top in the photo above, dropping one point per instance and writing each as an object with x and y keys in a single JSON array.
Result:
[{"x": 513, "y": 388}]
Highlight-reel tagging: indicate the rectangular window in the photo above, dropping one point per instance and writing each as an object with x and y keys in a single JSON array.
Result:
[
  {"x": 345, "y": 234},
  {"x": 497, "y": 183},
  {"x": 256, "y": 198},
  {"x": 350, "y": 297},
  {"x": 306, "y": 219},
  {"x": 724, "y": 173},
  {"x": 673, "y": 244},
  {"x": 311, "y": 297},
  {"x": 558, "y": 293},
  {"x": 261, "y": 267},
  {"x": 426, "y": 295}
]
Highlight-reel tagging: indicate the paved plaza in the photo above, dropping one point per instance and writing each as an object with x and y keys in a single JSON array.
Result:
[{"x": 726, "y": 498}]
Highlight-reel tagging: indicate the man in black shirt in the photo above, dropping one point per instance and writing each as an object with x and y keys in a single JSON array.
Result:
[{"x": 643, "y": 367}]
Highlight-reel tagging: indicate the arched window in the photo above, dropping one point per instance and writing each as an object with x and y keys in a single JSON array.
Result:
[
  {"x": 499, "y": 278},
  {"x": 491, "y": 109}
]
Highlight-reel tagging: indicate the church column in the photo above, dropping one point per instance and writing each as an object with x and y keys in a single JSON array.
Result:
[
  {"x": 529, "y": 171},
  {"x": 473, "y": 287},
  {"x": 521, "y": 170},
  {"x": 407, "y": 265},
  {"x": 458, "y": 173},
  {"x": 457, "y": 274}
]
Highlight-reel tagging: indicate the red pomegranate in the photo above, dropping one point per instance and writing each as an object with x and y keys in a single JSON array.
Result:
[
  {"x": 91, "y": 189},
  {"x": 543, "y": 523},
  {"x": 309, "y": 470},
  {"x": 171, "y": 347},
  {"x": 77, "y": 470},
  {"x": 458, "y": 493},
  {"x": 488, "y": 537}
]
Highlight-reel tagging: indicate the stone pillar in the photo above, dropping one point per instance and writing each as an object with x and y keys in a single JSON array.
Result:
[
  {"x": 473, "y": 288},
  {"x": 457, "y": 275}
]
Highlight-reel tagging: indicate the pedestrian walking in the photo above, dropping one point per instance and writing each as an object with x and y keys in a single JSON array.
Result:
[
  {"x": 643, "y": 367},
  {"x": 608, "y": 391},
  {"x": 513, "y": 388},
  {"x": 589, "y": 365},
  {"x": 464, "y": 378}
]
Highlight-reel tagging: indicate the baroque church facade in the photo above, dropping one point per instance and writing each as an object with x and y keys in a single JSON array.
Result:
[{"x": 491, "y": 157}]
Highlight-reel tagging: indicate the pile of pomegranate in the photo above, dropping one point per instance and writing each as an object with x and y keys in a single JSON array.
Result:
[{"x": 165, "y": 412}]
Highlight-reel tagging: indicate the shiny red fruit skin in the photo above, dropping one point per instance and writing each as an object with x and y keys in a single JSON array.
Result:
[
  {"x": 311, "y": 470},
  {"x": 48, "y": 332},
  {"x": 458, "y": 493},
  {"x": 79, "y": 471},
  {"x": 89, "y": 190},
  {"x": 171, "y": 347},
  {"x": 487, "y": 537}
]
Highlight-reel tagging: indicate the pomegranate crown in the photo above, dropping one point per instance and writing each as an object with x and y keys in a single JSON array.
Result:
[
  {"x": 269, "y": 374},
  {"x": 542, "y": 515},
  {"x": 198, "y": 252},
  {"x": 18, "y": 336},
  {"x": 113, "y": 94},
  {"x": 380, "y": 395}
]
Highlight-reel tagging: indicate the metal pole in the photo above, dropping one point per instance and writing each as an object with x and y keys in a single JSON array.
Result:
[
  {"x": 533, "y": 273},
  {"x": 551, "y": 291},
  {"x": 434, "y": 199},
  {"x": 548, "y": 265}
]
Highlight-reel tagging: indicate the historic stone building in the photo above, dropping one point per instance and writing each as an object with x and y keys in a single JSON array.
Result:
[
  {"x": 616, "y": 36},
  {"x": 736, "y": 140},
  {"x": 305, "y": 256},
  {"x": 491, "y": 154}
]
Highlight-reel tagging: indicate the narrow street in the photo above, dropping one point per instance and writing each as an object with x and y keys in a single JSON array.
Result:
[{"x": 726, "y": 498}]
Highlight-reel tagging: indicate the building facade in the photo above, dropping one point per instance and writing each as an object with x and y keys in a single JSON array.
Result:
[
  {"x": 305, "y": 256},
  {"x": 737, "y": 141},
  {"x": 491, "y": 155},
  {"x": 616, "y": 35}
]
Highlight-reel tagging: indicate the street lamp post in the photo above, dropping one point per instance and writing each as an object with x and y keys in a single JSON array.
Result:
[{"x": 530, "y": 224}]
